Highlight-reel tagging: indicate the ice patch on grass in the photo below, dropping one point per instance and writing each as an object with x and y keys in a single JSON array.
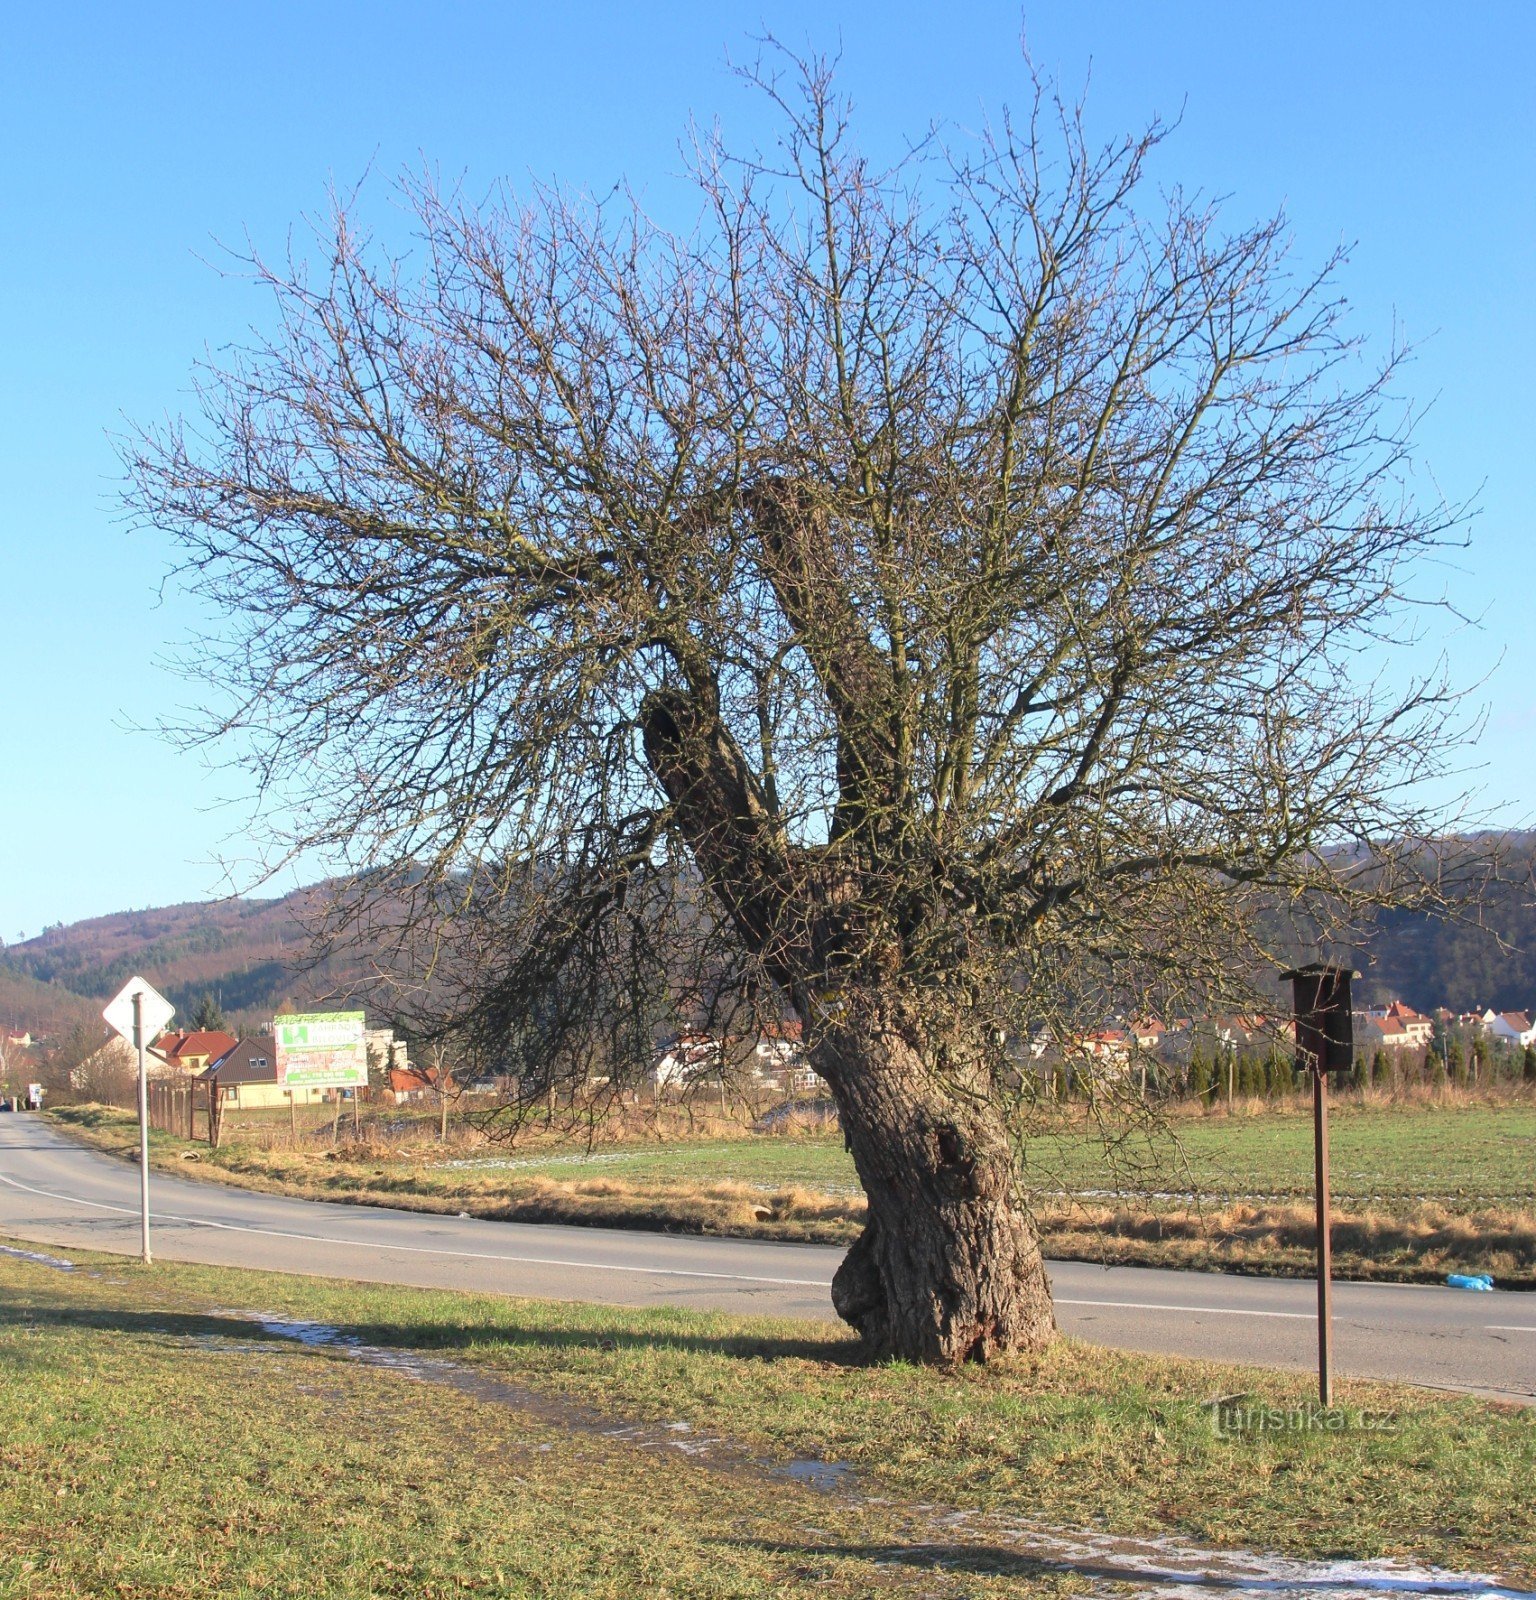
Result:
[
  {"x": 519, "y": 1164},
  {"x": 1174, "y": 1570},
  {"x": 814, "y": 1472},
  {"x": 37, "y": 1255},
  {"x": 322, "y": 1336}
]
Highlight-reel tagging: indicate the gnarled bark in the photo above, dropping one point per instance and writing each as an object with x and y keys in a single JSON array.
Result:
[{"x": 948, "y": 1268}]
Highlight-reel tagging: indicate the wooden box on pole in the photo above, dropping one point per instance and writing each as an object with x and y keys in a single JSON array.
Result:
[{"x": 1325, "y": 1042}]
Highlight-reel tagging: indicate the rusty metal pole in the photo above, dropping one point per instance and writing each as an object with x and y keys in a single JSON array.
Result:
[{"x": 1324, "y": 1239}]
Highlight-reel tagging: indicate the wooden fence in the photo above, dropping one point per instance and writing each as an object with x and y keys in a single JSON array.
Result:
[{"x": 185, "y": 1109}]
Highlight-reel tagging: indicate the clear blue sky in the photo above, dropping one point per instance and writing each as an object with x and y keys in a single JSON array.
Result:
[{"x": 135, "y": 136}]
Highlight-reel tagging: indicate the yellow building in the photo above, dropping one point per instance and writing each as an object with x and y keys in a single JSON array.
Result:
[{"x": 246, "y": 1078}]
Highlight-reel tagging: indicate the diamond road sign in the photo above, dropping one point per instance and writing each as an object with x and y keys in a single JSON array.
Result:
[{"x": 154, "y": 1011}]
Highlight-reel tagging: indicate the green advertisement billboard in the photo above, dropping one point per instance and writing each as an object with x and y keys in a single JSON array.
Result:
[{"x": 321, "y": 1049}]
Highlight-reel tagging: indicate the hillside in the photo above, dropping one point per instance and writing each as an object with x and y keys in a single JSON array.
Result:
[
  {"x": 45, "y": 1010},
  {"x": 1485, "y": 956},
  {"x": 248, "y": 953},
  {"x": 251, "y": 954}
]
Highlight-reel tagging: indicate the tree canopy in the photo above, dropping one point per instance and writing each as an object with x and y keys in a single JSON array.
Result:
[{"x": 928, "y": 600}]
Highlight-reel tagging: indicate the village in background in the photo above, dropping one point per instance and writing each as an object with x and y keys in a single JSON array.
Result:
[
  {"x": 214, "y": 1069},
  {"x": 1442, "y": 1003}
]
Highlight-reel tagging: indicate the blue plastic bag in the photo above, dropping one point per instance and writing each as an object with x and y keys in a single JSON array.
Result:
[{"x": 1469, "y": 1280}]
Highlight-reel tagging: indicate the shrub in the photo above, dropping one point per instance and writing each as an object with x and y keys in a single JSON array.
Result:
[
  {"x": 1434, "y": 1068},
  {"x": 1282, "y": 1073},
  {"x": 1456, "y": 1064}
]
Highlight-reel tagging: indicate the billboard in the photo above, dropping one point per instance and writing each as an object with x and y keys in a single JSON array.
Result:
[{"x": 321, "y": 1049}]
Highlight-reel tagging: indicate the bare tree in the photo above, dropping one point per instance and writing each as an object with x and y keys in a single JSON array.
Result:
[
  {"x": 86, "y": 1066},
  {"x": 925, "y": 601}
]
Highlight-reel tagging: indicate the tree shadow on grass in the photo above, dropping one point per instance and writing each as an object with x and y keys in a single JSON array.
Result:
[
  {"x": 442, "y": 1337},
  {"x": 235, "y": 1335}
]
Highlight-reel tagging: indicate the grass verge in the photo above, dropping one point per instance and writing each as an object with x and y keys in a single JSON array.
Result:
[
  {"x": 154, "y": 1444},
  {"x": 799, "y": 1190}
]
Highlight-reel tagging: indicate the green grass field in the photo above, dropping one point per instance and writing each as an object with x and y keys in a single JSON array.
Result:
[
  {"x": 157, "y": 1443},
  {"x": 1381, "y": 1154}
]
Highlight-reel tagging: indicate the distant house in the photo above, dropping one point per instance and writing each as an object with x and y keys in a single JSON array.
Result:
[
  {"x": 408, "y": 1085},
  {"x": 1376, "y": 1031},
  {"x": 686, "y": 1058},
  {"x": 778, "y": 1058},
  {"x": 1418, "y": 1030},
  {"x": 108, "y": 1069},
  {"x": 1241, "y": 1032},
  {"x": 1510, "y": 1027},
  {"x": 385, "y": 1052},
  {"x": 800, "y": 1080},
  {"x": 246, "y": 1076},
  {"x": 778, "y": 1046},
  {"x": 1148, "y": 1033},
  {"x": 1108, "y": 1044},
  {"x": 187, "y": 1054}
]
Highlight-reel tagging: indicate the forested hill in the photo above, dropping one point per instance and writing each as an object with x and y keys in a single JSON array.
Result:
[
  {"x": 45, "y": 1010},
  {"x": 250, "y": 954}
]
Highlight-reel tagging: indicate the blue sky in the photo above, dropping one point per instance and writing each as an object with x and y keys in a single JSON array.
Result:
[{"x": 137, "y": 137}]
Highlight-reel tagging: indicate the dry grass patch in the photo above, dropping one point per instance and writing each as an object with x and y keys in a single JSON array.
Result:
[{"x": 1417, "y": 1244}]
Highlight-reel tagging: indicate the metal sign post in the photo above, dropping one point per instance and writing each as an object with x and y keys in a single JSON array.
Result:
[
  {"x": 138, "y": 1044},
  {"x": 1324, "y": 1043},
  {"x": 1324, "y": 1237},
  {"x": 139, "y": 1014}
]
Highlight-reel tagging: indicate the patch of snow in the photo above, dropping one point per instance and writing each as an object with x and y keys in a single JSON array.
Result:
[
  {"x": 321, "y": 1336},
  {"x": 1178, "y": 1571},
  {"x": 37, "y": 1255}
]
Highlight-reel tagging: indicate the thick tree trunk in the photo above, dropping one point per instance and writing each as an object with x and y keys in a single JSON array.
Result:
[{"x": 948, "y": 1267}]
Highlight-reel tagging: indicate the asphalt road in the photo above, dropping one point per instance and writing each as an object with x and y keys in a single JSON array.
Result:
[{"x": 53, "y": 1191}]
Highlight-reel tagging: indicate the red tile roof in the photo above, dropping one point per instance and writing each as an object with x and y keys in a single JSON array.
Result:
[
  {"x": 409, "y": 1080},
  {"x": 210, "y": 1043}
]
